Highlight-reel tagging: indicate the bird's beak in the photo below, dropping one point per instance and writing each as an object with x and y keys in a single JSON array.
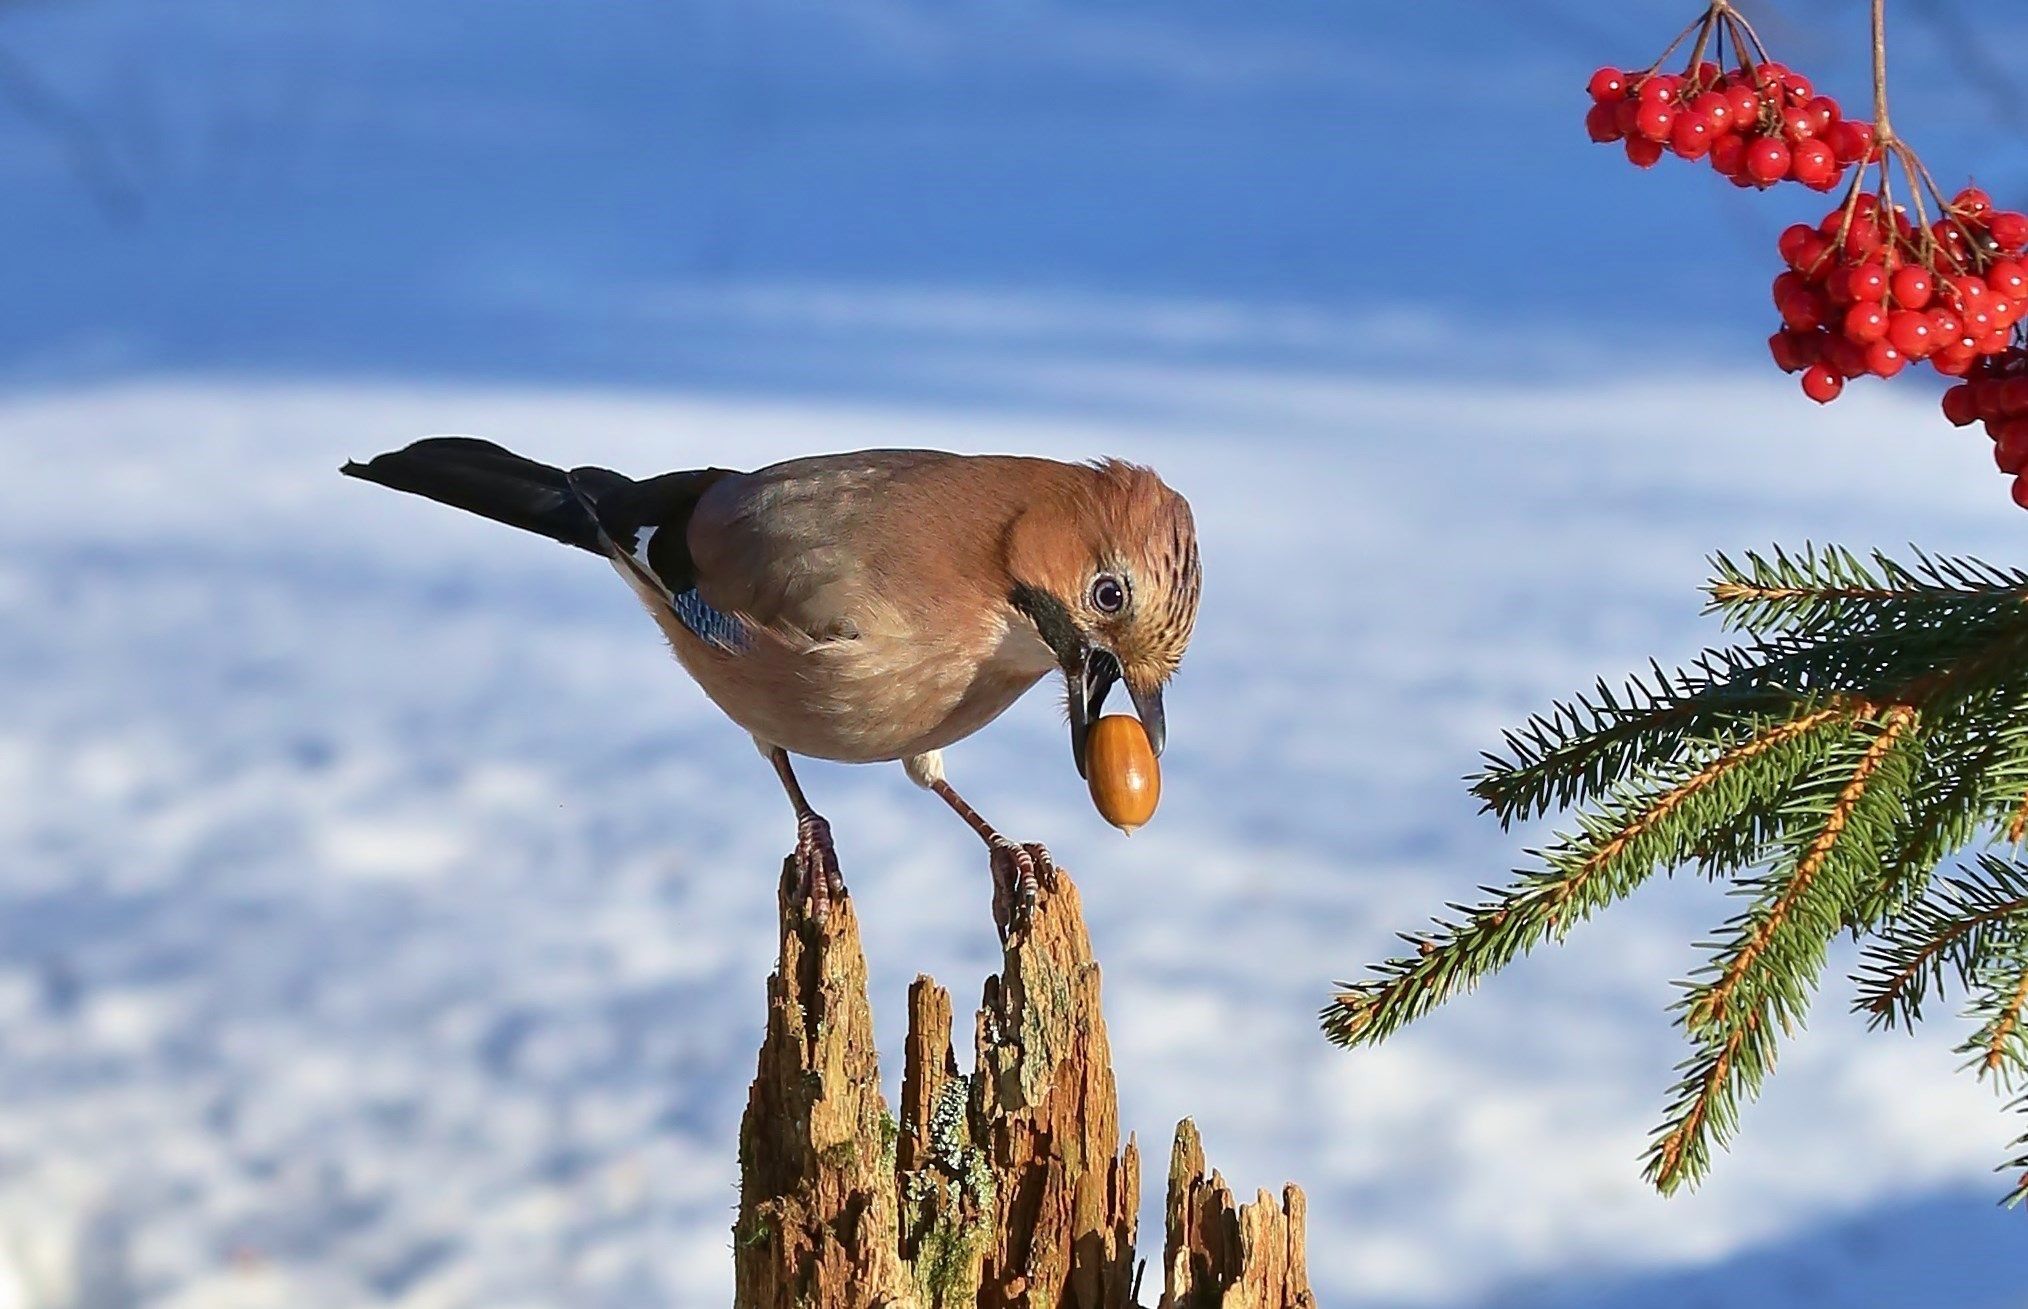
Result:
[
  {"x": 1090, "y": 680},
  {"x": 1148, "y": 704},
  {"x": 1089, "y": 684}
]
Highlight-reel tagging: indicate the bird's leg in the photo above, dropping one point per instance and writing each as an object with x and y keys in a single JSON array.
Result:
[
  {"x": 816, "y": 857},
  {"x": 1017, "y": 869}
]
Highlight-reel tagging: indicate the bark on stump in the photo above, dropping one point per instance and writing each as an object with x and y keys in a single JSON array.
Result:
[{"x": 1006, "y": 1187}]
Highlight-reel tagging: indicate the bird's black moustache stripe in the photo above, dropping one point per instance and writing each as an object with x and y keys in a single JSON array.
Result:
[{"x": 1051, "y": 618}]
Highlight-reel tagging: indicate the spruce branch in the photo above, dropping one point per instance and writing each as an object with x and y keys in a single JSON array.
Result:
[
  {"x": 1824, "y": 589},
  {"x": 1638, "y": 829},
  {"x": 1871, "y": 721},
  {"x": 2000, "y": 1046},
  {"x": 1965, "y": 920},
  {"x": 1765, "y": 974}
]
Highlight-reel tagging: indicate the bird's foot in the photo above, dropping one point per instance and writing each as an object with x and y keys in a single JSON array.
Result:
[
  {"x": 1019, "y": 873},
  {"x": 817, "y": 867}
]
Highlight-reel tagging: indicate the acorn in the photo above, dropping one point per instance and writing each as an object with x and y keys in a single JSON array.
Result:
[{"x": 1126, "y": 782}]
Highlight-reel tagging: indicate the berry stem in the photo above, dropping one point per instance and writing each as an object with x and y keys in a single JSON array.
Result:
[
  {"x": 1851, "y": 207},
  {"x": 1925, "y": 244},
  {"x": 1883, "y": 130},
  {"x": 1670, "y": 49},
  {"x": 1943, "y": 205},
  {"x": 1741, "y": 27},
  {"x": 1704, "y": 27}
]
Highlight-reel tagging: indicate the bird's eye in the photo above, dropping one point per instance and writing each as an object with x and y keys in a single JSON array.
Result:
[{"x": 1108, "y": 594}]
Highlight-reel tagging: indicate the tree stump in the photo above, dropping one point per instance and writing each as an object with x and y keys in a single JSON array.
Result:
[{"x": 1005, "y": 1187}]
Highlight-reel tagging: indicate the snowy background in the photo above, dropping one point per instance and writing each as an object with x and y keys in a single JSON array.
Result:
[{"x": 383, "y": 920}]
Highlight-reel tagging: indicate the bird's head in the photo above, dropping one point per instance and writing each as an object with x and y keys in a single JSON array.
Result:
[{"x": 1106, "y": 568}]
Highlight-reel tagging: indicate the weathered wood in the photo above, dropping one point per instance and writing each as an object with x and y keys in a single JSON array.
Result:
[
  {"x": 816, "y": 1188},
  {"x": 1006, "y": 1187},
  {"x": 1220, "y": 1255}
]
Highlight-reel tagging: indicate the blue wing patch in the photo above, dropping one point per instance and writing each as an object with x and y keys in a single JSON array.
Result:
[{"x": 712, "y": 626}]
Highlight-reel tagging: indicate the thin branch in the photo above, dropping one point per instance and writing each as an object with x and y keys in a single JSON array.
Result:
[{"x": 1714, "y": 1001}]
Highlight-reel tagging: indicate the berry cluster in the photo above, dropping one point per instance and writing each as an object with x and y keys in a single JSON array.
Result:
[
  {"x": 1996, "y": 394},
  {"x": 1868, "y": 291},
  {"x": 1757, "y": 124}
]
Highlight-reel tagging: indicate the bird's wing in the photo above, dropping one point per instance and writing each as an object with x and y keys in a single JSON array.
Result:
[
  {"x": 838, "y": 546},
  {"x": 643, "y": 529}
]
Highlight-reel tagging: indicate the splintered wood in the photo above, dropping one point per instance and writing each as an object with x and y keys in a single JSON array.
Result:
[{"x": 1004, "y": 1188}]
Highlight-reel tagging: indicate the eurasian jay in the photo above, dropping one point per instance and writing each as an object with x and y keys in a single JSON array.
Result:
[{"x": 872, "y": 606}]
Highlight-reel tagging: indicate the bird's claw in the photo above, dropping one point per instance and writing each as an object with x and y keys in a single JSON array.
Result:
[
  {"x": 817, "y": 867},
  {"x": 1020, "y": 872}
]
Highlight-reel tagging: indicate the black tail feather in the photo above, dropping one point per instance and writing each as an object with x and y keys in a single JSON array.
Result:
[{"x": 482, "y": 478}]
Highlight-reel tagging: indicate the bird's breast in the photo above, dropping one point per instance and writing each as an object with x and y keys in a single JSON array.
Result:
[{"x": 877, "y": 690}]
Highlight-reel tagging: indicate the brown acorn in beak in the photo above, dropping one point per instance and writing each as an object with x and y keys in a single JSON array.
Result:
[{"x": 1125, "y": 780}]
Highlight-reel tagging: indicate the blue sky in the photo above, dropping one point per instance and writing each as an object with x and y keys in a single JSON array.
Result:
[
  {"x": 380, "y": 975},
  {"x": 504, "y": 187}
]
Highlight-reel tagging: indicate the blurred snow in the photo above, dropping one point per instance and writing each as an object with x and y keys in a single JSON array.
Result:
[{"x": 386, "y": 919}]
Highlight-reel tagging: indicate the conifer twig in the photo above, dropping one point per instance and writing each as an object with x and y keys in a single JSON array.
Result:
[{"x": 1873, "y": 720}]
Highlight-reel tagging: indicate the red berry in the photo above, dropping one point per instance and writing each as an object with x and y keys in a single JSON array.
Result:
[
  {"x": 1972, "y": 201},
  {"x": 1950, "y": 329},
  {"x": 1745, "y": 106},
  {"x": 1792, "y": 241},
  {"x": 2010, "y": 444},
  {"x": 1654, "y": 120},
  {"x": 1803, "y": 310},
  {"x": 1868, "y": 282},
  {"x": 1798, "y": 88},
  {"x": 1951, "y": 237},
  {"x": 1607, "y": 84},
  {"x": 1794, "y": 351},
  {"x": 2009, "y": 278},
  {"x": 1660, "y": 89},
  {"x": 1728, "y": 155},
  {"x": 1813, "y": 258},
  {"x": 1714, "y": 109},
  {"x": 1600, "y": 123},
  {"x": 1954, "y": 360},
  {"x": 1767, "y": 161},
  {"x": 1813, "y": 164},
  {"x": 1863, "y": 239},
  {"x": 1911, "y": 287},
  {"x": 1865, "y": 323},
  {"x": 1690, "y": 138},
  {"x": 1970, "y": 290},
  {"x": 1823, "y": 113},
  {"x": 1911, "y": 333},
  {"x": 1883, "y": 360},
  {"x": 2020, "y": 491},
  {"x": 2009, "y": 231},
  {"x": 1958, "y": 407},
  {"x": 1821, "y": 384},
  {"x": 1643, "y": 153},
  {"x": 1850, "y": 141}
]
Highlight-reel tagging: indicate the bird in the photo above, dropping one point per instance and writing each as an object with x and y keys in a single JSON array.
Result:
[{"x": 873, "y": 606}]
